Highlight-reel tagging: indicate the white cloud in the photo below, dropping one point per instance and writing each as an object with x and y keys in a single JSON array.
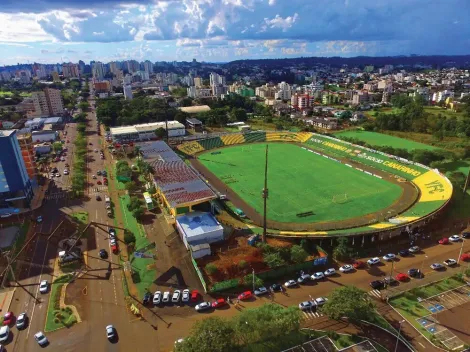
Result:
[{"x": 282, "y": 23}]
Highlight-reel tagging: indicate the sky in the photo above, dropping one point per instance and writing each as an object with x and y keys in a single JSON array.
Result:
[{"x": 55, "y": 31}]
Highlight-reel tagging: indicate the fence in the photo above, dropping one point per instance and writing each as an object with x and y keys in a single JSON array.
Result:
[{"x": 203, "y": 282}]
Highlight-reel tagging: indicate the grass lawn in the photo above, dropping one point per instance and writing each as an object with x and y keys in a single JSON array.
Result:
[
  {"x": 53, "y": 320},
  {"x": 82, "y": 218},
  {"x": 436, "y": 110},
  {"x": 5, "y": 94},
  {"x": 380, "y": 139},
  {"x": 300, "y": 181},
  {"x": 144, "y": 276},
  {"x": 407, "y": 303}
]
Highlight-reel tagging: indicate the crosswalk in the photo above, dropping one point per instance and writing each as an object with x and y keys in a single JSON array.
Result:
[
  {"x": 309, "y": 314},
  {"x": 56, "y": 195},
  {"x": 375, "y": 294},
  {"x": 98, "y": 189}
]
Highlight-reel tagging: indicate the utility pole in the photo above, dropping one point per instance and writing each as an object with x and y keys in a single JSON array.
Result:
[
  {"x": 466, "y": 182},
  {"x": 253, "y": 281},
  {"x": 265, "y": 195}
]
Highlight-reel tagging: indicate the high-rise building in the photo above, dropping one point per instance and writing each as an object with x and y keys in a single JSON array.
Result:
[
  {"x": 15, "y": 185},
  {"x": 148, "y": 67},
  {"x": 198, "y": 81},
  {"x": 70, "y": 70},
  {"x": 25, "y": 141},
  {"x": 127, "y": 92},
  {"x": 216, "y": 79},
  {"x": 132, "y": 66},
  {"x": 47, "y": 103},
  {"x": 55, "y": 76},
  {"x": 98, "y": 71},
  {"x": 81, "y": 66}
]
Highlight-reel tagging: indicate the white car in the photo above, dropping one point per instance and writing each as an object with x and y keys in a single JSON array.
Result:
[
  {"x": 112, "y": 240},
  {"x": 51, "y": 175},
  {"x": 290, "y": 283},
  {"x": 4, "y": 333},
  {"x": 414, "y": 249},
  {"x": 203, "y": 306},
  {"x": 437, "y": 266},
  {"x": 186, "y": 296},
  {"x": 454, "y": 238},
  {"x": 320, "y": 301},
  {"x": 41, "y": 338},
  {"x": 346, "y": 268},
  {"x": 21, "y": 321},
  {"x": 66, "y": 172},
  {"x": 110, "y": 332},
  {"x": 450, "y": 262},
  {"x": 373, "y": 261},
  {"x": 166, "y": 297},
  {"x": 330, "y": 271},
  {"x": 176, "y": 296},
  {"x": 43, "y": 286},
  {"x": 307, "y": 305},
  {"x": 318, "y": 276},
  {"x": 157, "y": 297},
  {"x": 389, "y": 257}
]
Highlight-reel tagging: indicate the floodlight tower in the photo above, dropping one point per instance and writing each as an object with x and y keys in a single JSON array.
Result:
[{"x": 265, "y": 194}]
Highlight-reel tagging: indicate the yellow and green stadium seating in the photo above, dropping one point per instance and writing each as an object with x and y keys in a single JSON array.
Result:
[
  {"x": 231, "y": 139},
  {"x": 255, "y": 137},
  {"x": 191, "y": 148},
  {"x": 211, "y": 143}
]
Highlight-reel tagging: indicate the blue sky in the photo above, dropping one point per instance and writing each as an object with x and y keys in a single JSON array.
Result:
[{"x": 49, "y": 31}]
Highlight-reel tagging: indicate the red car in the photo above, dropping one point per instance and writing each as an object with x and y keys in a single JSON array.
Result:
[
  {"x": 401, "y": 277},
  {"x": 245, "y": 295},
  {"x": 444, "y": 240},
  {"x": 358, "y": 264},
  {"x": 114, "y": 249},
  {"x": 194, "y": 296},
  {"x": 8, "y": 318},
  {"x": 219, "y": 303},
  {"x": 99, "y": 182},
  {"x": 465, "y": 257}
]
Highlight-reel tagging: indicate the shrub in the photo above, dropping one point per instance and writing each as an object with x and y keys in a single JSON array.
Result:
[
  {"x": 129, "y": 237},
  {"x": 242, "y": 264},
  {"x": 298, "y": 254},
  {"x": 211, "y": 269},
  {"x": 56, "y": 320},
  {"x": 273, "y": 260}
]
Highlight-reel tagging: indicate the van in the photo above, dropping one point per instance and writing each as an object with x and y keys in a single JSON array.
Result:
[{"x": 107, "y": 200}]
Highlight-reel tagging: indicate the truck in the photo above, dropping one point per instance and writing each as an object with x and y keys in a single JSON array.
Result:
[{"x": 65, "y": 257}]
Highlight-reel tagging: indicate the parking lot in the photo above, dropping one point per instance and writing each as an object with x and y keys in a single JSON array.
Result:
[
  {"x": 324, "y": 344},
  {"x": 444, "y": 322}
]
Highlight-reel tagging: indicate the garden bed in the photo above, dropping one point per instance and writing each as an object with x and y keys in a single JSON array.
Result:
[{"x": 57, "y": 317}]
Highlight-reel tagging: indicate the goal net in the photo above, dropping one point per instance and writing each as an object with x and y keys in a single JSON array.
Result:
[{"x": 340, "y": 198}]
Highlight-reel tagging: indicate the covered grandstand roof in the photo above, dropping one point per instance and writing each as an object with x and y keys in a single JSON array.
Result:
[
  {"x": 195, "y": 109},
  {"x": 177, "y": 181},
  {"x": 145, "y": 127}
]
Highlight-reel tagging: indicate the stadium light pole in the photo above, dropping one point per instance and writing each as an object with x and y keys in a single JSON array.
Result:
[{"x": 265, "y": 195}]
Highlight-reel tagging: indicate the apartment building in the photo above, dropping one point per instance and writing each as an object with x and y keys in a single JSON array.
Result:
[
  {"x": 47, "y": 103},
  {"x": 27, "y": 152},
  {"x": 360, "y": 97},
  {"x": 70, "y": 70},
  {"x": 127, "y": 92}
]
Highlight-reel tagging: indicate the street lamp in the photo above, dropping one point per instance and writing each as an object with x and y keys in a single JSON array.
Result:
[
  {"x": 398, "y": 336},
  {"x": 422, "y": 264},
  {"x": 461, "y": 250},
  {"x": 253, "y": 280}
]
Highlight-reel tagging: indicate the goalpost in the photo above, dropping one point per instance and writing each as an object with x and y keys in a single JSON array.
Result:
[{"x": 340, "y": 198}]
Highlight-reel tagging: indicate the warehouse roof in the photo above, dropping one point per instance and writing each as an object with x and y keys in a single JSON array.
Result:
[
  {"x": 145, "y": 127},
  {"x": 177, "y": 181},
  {"x": 198, "y": 223},
  {"x": 53, "y": 120}
]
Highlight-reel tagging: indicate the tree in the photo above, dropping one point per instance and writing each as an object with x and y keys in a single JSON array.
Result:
[
  {"x": 342, "y": 251},
  {"x": 160, "y": 132},
  {"x": 298, "y": 254},
  {"x": 211, "y": 269},
  {"x": 350, "y": 302},
  {"x": 129, "y": 237},
  {"x": 84, "y": 105},
  {"x": 273, "y": 260},
  {"x": 238, "y": 114},
  {"x": 57, "y": 147},
  {"x": 262, "y": 323},
  {"x": 248, "y": 280},
  {"x": 209, "y": 335},
  {"x": 131, "y": 187},
  {"x": 138, "y": 212},
  {"x": 135, "y": 203}
]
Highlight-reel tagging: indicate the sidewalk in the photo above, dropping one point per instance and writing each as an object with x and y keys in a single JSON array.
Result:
[{"x": 6, "y": 297}]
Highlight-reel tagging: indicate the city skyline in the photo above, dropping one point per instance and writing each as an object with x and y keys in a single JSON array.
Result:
[{"x": 222, "y": 31}]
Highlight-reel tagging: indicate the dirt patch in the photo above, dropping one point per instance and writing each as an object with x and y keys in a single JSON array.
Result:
[
  {"x": 457, "y": 321},
  {"x": 75, "y": 294}
]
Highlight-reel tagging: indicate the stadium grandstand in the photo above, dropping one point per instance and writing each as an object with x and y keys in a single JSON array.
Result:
[{"x": 179, "y": 188}]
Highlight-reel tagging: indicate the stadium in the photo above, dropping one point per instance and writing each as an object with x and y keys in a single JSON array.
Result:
[{"x": 318, "y": 185}]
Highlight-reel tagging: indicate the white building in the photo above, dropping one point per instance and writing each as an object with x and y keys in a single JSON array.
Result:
[
  {"x": 146, "y": 131},
  {"x": 98, "y": 71},
  {"x": 196, "y": 92},
  {"x": 47, "y": 103},
  {"x": 148, "y": 67},
  {"x": 43, "y": 136},
  {"x": 127, "y": 92},
  {"x": 216, "y": 79}
]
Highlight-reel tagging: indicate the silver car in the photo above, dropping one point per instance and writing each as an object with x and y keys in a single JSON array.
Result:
[
  {"x": 176, "y": 296},
  {"x": 203, "y": 306}
]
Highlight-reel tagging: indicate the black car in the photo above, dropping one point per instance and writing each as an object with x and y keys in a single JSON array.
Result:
[
  {"x": 147, "y": 298},
  {"x": 404, "y": 252},
  {"x": 390, "y": 280},
  {"x": 466, "y": 235},
  {"x": 98, "y": 197},
  {"x": 103, "y": 254},
  {"x": 415, "y": 273},
  {"x": 377, "y": 285},
  {"x": 276, "y": 287}
]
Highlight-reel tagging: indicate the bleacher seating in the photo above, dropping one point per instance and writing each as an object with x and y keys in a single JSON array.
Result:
[
  {"x": 231, "y": 139},
  {"x": 254, "y": 137},
  {"x": 281, "y": 137},
  {"x": 304, "y": 136},
  {"x": 211, "y": 143},
  {"x": 190, "y": 148}
]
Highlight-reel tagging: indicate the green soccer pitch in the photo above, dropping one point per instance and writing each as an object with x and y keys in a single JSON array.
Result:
[{"x": 299, "y": 181}]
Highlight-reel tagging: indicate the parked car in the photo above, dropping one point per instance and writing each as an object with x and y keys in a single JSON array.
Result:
[
  {"x": 41, "y": 339},
  {"x": 245, "y": 295},
  {"x": 373, "y": 261},
  {"x": 413, "y": 272},
  {"x": 66, "y": 172},
  {"x": 444, "y": 240},
  {"x": 404, "y": 252},
  {"x": 465, "y": 257},
  {"x": 276, "y": 287},
  {"x": 194, "y": 296},
  {"x": 454, "y": 238},
  {"x": 185, "y": 296},
  {"x": 8, "y": 318},
  {"x": 389, "y": 257},
  {"x": 147, "y": 298},
  {"x": 157, "y": 297},
  {"x": 303, "y": 279},
  {"x": 176, "y": 296},
  {"x": 450, "y": 262},
  {"x": 466, "y": 235},
  {"x": 166, "y": 297},
  {"x": 110, "y": 332},
  {"x": 112, "y": 232},
  {"x": 21, "y": 321},
  {"x": 377, "y": 284},
  {"x": 307, "y": 305},
  {"x": 98, "y": 172},
  {"x": 346, "y": 268},
  {"x": 402, "y": 277},
  {"x": 220, "y": 302},
  {"x": 261, "y": 291},
  {"x": 290, "y": 283},
  {"x": 330, "y": 272},
  {"x": 43, "y": 286},
  {"x": 318, "y": 276},
  {"x": 437, "y": 266},
  {"x": 320, "y": 301},
  {"x": 414, "y": 249},
  {"x": 203, "y": 306},
  {"x": 4, "y": 333}
]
